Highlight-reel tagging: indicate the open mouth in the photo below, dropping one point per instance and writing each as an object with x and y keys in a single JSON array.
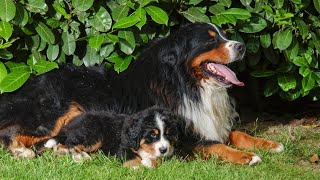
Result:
[{"x": 221, "y": 72}]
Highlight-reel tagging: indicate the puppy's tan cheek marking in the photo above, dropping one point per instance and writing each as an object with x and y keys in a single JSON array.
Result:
[
  {"x": 149, "y": 148},
  {"x": 156, "y": 131}
]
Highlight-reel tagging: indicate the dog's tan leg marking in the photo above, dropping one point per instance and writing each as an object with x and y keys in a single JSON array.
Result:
[
  {"x": 244, "y": 141},
  {"x": 223, "y": 152},
  {"x": 74, "y": 110}
]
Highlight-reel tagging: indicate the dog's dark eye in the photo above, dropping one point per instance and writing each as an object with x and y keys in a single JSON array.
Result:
[
  {"x": 153, "y": 135},
  {"x": 212, "y": 40}
]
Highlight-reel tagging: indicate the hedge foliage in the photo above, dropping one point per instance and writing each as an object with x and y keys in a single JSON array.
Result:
[{"x": 282, "y": 37}]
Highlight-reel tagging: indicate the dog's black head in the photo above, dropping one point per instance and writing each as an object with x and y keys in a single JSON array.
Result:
[
  {"x": 204, "y": 50},
  {"x": 152, "y": 132}
]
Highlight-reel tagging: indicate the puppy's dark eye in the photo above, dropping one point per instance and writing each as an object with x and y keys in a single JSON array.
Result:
[{"x": 153, "y": 135}]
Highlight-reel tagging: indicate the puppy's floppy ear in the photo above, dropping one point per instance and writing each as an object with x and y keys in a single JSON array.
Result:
[{"x": 134, "y": 134}]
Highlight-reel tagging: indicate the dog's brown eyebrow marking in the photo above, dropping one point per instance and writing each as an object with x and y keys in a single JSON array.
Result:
[
  {"x": 156, "y": 131},
  {"x": 212, "y": 33}
]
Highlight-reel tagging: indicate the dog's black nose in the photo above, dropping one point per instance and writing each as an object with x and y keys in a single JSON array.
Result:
[
  {"x": 163, "y": 150},
  {"x": 240, "y": 47}
]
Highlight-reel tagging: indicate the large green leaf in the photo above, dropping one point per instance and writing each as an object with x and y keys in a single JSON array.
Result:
[
  {"x": 194, "y": 14},
  {"x": 5, "y": 30},
  {"x": 101, "y": 21},
  {"x": 246, "y": 2},
  {"x": 114, "y": 58},
  {"x": 126, "y": 22},
  {"x": 270, "y": 88},
  {"x": 45, "y": 33},
  {"x": 300, "y": 61},
  {"x": 145, "y": 2},
  {"x": 69, "y": 44},
  {"x": 44, "y": 66},
  {"x": 5, "y": 54},
  {"x": 308, "y": 82},
  {"x": 3, "y": 71},
  {"x": 316, "y": 41},
  {"x": 126, "y": 47},
  {"x": 82, "y": 5},
  {"x": 52, "y": 52},
  {"x": 282, "y": 39},
  {"x": 238, "y": 13},
  {"x": 194, "y": 2},
  {"x": 92, "y": 57},
  {"x": 96, "y": 41},
  {"x": 278, "y": 3},
  {"x": 128, "y": 36},
  {"x": 287, "y": 82},
  {"x": 255, "y": 25},
  {"x": 317, "y": 5},
  {"x": 37, "y": 6},
  {"x": 14, "y": 80},
  {"x": 7, "y": 10},
  {"x": 304, "y": 71},
  {"x": 106, "y": 50},
  {"x": 61, "y": 10},
  {"x": 13, "y": 66},
  {"x": 141, "y": 13},
  {"x": 253, "y": 45},
  {"x": 293, "y": 50},
  {"x": 216, "y": 9},
  {"x": 119, "y": 12},
  {"x": 265, "y": 40},
  {"x": 22, "y": 16},
  {"x": 303, "y": 28},
  {"x": 223, "y": 19},
  {"x": 127, "y": 42},
  {"x": 157, "y": 14},
  {"x": 120, "y": 66},
  {"x": 226, "y": 3}
]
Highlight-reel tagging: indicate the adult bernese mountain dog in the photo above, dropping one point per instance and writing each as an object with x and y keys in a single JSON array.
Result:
[
  {"x": 185, "y": 72},
  {"x": 138, "y": 139}
]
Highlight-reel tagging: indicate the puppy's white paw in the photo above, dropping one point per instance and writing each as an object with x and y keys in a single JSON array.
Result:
[
  {"x": 146, "y": 162},
  {"x": 78, "y": 157},
  {"x": 50, "y": 143}
]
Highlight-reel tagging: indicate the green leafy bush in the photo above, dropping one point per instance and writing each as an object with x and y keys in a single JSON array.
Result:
[{"x": 282, "y": 37}]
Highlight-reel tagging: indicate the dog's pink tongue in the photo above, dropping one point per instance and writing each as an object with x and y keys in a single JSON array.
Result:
[{"x": 228, "y": 73}]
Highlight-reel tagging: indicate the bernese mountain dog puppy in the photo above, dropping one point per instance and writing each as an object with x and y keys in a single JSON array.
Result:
[
  {"x": 185, "y": 72},
  {"x": 138, "y": 139}
]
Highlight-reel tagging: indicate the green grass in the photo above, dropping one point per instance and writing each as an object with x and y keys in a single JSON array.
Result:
[{"x": 293, "y": 163}]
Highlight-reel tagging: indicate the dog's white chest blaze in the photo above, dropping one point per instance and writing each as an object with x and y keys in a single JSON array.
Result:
[{"x": 213, "y": 115}]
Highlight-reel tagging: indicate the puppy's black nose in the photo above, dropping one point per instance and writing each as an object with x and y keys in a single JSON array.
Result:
[{"x": 163, "y": 150}]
